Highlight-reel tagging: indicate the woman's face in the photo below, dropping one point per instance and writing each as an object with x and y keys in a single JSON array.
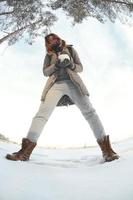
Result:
[
  {"x": 55, "y": 43},
  {"x": 53, "y": 40}
]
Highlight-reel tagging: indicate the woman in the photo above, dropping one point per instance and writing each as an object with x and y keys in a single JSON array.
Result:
[{"x": 63, "y": 87}]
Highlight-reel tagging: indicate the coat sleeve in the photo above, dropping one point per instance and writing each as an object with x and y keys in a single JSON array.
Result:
[
  {"x": 48, "y": 69},
  {"x": 78, "y": 67}
]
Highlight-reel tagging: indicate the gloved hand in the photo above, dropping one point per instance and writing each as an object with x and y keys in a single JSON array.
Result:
[
  {"x": 57, "y": 64},
  {"x": 66, "y": 63}
]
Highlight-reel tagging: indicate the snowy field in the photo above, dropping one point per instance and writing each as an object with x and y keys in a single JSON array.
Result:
[{"x": 67, "y": 174}]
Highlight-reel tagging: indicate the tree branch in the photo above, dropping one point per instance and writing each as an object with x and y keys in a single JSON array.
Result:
[
  {"x": 6, "y": 13},
  {"x": 17, "y": 31},
  {"x": 119, "y": 2}
]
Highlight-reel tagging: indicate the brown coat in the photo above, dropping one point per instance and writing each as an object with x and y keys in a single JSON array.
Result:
[{"x": 49, "y": 70}]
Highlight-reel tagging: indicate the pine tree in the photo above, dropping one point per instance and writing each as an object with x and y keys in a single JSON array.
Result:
[
  {"x": 98, "y": 9},
  {"x": 29, "y": 19},
  {"x": 24, "y": 18}
]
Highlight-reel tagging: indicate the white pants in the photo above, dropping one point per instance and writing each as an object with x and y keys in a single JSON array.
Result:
[{"x": 53, "y": 96}]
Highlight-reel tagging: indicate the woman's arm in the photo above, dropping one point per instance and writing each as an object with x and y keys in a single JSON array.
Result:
[
  {"x": 48, "y": 69},
  {"x": 78, "y": 67}
]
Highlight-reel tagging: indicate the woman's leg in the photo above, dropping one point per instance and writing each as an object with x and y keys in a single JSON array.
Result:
[
  {"x": 86, "y": 108},
  {"x": 91, "y": 116},
  {"x": 45, "y": 110}
]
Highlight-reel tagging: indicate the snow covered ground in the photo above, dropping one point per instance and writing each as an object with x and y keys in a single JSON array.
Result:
[{"x": 67, "y": 174}]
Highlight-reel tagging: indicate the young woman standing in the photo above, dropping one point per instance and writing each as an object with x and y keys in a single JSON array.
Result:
[{"x": 64, "y": 86}]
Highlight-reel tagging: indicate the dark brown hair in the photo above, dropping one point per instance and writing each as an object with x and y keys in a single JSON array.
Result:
[{"x": 47, "y": 44}]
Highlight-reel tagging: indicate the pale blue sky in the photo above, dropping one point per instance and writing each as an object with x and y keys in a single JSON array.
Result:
[{"x": 106, "y": 53}]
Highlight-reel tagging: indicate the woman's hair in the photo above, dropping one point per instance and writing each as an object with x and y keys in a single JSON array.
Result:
[{"x": 47, "y": 44}]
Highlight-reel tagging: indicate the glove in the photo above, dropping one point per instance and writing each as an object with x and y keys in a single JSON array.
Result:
[
  {"x": 57, "y": 64},
  {"x": 66, "y": 63}
]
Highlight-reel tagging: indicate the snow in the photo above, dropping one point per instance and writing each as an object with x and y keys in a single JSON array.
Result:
[{"x": 67, "y": 174}]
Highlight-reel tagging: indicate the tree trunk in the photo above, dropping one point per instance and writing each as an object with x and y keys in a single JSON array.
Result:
[{"x": 10, "y": 34}]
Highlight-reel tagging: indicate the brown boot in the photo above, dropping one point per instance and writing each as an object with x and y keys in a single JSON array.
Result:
[
  {"x": 25, "y": 151},
  {"x": 107, "y": 151}
]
